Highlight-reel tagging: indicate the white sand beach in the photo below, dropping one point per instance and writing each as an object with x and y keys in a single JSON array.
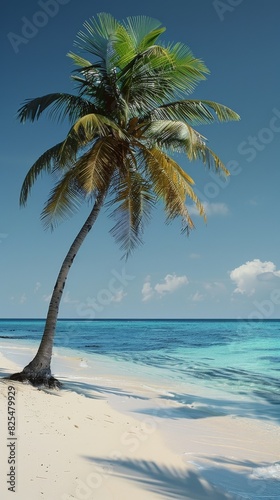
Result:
[{"x": 110, "y": 437}]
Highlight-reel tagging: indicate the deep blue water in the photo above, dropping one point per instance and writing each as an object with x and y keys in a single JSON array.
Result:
[{"x": 238, "y": 355}]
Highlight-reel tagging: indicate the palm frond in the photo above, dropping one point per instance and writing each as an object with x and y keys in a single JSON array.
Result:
[
  {"x": 124, "y": 48},
  {"x": 194, "y": 112},
  {"x": 186, "y": 70},
  {"x": 95, "y": 84},
  {"x": 62, "y": 106},
  {"x": 158, "y": 74},
  {"x": 98, "y": 36},
  {"x": 208, "y": 158},
  {"x": 142, "y": 30},
  {"x": 143, "y": 78},
  {"x": 93, "y": 123},
  {"x": 179, "y": 136},
  {"x": 223, "y": 113},
  {"x": 134, "y": 37},
  {"x": 174, "y": 136},
  {"x": 173, "y": 69},
  {"x": 79, "y": 60},
  {"x": 65, "y": 199},
  {"x": 45, "y": 164},
  {"x": 95, "y": 168},
  {"x": 87, "y": 129},
  {"x": 134, "y": 201},
  {"x": 90, "y": 174},
  {"x": 165, "y": 131},
  {"x": 172, "y": 186},
  {"x": 150, "y": 38}
]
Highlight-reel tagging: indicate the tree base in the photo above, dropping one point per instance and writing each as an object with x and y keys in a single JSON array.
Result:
[{"x": 37, "y": 379}]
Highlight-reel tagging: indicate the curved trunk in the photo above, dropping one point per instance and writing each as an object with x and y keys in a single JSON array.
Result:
[{"x": 38, "y": 371}]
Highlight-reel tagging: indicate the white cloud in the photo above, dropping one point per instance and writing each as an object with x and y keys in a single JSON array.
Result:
[
  {"x": 23, "y": 298},
  {"x": 47, "y": 298},
  {"x": 147, "y": 290},
  {"x": 197, "y": 297},
  {"x": 250, "y": 275},
  {"x": 37, "y": 286},
  {"x": 119, "y": 295},
  {"x": 210, "y": 209},
  {"x": 211, "y": 290},
  {"x": 215, "y": 286},
  {"x": 195, "y": 256},
  {"x": 170, "y": 283},
  {"x": 215, "y": 208}
]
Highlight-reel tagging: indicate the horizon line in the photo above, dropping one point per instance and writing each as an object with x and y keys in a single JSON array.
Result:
[{"x": 142, "y": 319}]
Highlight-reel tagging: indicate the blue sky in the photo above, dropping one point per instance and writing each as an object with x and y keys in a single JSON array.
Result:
[{"x": 227, "y": 268}]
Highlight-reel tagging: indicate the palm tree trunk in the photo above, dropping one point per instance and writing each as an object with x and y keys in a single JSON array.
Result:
[{"x": 38, "y": 371}]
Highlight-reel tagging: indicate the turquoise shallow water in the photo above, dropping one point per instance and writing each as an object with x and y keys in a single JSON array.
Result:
[{"x": 236, "y": 356}]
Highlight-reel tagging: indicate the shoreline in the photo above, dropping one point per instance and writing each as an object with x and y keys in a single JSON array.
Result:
[{"x": 107, "y": 437}]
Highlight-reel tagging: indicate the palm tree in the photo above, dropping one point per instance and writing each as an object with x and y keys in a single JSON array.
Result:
[{"x": 129, "y": 115}]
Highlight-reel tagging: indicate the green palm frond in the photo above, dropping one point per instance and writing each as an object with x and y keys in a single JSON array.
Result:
[
  {"x": 186, "y": 70},
  {"x": 150, "y": 38},
  {"x": 143, "y": 31},
  {"x": 194, "y": 112},
  {"x": 62, "y": 106},
  {"x": 134, "y": 201},
  {"x": 79, "y": 60},
  {"x": 98, "y": 37},
  {"x": 143, "y": 73},
  {"x": 171, "y": 185},
  {"x": 158, "y": 74},
  {"x": 170, "y": 70},
  {"x": 223, "y": 113},
  {"x": 135, "y": 37},
  {"x": 45, "y": 164},
  {"x": 124, "y": 48},
  {"x": 180, "y": 71}
]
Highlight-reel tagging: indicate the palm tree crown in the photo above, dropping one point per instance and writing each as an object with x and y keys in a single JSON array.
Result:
[{"x": 129, "y": 115}]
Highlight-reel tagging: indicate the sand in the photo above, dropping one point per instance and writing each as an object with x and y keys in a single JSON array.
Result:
[{"x": 113, "y": 438}]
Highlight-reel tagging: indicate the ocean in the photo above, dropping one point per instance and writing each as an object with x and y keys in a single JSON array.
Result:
[
  {"x": 195, "y": 369},
  {"x": 235, "y": 356}
]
